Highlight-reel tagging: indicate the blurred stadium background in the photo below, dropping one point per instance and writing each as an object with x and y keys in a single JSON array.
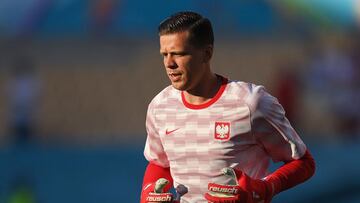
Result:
[{"x": 76, "y": 77}]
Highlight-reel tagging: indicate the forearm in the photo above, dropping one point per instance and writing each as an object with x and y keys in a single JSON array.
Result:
[{"x": 292, "y": 173}]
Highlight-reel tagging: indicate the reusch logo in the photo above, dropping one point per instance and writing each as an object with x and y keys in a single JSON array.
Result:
[
  {"x": 161, "y": 197},
  {"x": 224, "y": 190}
]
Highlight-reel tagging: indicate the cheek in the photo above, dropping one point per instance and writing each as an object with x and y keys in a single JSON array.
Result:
[
  {"x": 189, "y": 65},
  {"x": 195, "y": 66},
  {"x": 183, "y": 65}
]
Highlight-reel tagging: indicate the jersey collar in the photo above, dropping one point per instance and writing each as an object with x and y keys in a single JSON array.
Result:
[{"x": 224, "y": 82}]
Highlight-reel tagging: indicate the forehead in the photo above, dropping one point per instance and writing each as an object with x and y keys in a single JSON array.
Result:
[{"x": 174, "y": 41}]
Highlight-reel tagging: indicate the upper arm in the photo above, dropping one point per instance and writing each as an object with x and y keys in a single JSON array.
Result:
[
  {"x": 271, "y": 127},
  {"x": 154, "y": 151}
]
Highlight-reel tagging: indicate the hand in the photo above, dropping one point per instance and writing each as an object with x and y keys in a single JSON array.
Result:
[
  {"x": 248, "y": 190},
  {"x": 154, "y": 192},
  {"x": 259, "y": 190},
  {"x": 218, "y": 193}
]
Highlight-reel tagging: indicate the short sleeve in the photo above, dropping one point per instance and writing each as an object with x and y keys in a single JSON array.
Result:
[
  {"x": 154, "y": 151},
  {"x": 271, "y": 128}
]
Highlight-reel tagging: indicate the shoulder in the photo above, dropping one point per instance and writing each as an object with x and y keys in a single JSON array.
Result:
[
  {"x": 246, "y": 90},
  {"x": 261, "y": 102},
  {"x": 254, "y": 95}
]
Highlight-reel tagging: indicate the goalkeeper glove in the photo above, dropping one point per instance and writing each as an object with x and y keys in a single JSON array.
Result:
[
  {"x": 245, "y": 189},
  {"x": 154, "y": 192}
]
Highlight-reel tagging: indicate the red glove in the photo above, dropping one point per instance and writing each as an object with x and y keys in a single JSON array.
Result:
[
  {"x": 149, "y": 194},
  {"x": 258, "y": 190},
  {"x": 248, "y": 190},
  {"x": 225, "y": 194},
  {"x": 153, "y": 193}
]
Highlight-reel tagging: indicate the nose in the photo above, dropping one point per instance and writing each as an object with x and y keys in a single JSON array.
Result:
[{"x": 169, "y": 61}]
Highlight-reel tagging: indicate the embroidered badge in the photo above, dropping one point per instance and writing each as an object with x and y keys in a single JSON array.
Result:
[{"x": 222, "y": 130}]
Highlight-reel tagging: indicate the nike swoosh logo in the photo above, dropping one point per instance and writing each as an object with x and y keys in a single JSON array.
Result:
[{"x": 167, "y": 132}]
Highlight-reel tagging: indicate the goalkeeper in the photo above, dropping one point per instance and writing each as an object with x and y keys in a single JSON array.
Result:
[{"x": 211, "y": 136}]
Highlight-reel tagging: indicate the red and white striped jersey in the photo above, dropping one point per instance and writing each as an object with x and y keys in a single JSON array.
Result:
[{"x": 242, "y": 127}]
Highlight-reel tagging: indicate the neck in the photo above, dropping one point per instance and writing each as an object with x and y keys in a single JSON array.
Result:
[{"x": 207, "y": 89}]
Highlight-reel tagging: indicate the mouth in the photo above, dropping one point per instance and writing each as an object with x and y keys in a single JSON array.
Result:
[{"x": 174, "y": 77}]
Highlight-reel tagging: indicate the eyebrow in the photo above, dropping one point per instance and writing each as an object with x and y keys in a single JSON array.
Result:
[{"x": 174, "y": 52}]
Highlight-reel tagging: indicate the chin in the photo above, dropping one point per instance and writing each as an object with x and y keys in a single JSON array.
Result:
[{"x": 177, "y": 86}]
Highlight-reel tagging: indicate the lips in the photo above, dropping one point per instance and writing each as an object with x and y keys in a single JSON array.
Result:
[{"x": 174, "y": 76}]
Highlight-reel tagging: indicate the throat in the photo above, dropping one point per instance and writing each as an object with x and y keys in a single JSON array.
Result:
[{"x": 204, "y": 93}]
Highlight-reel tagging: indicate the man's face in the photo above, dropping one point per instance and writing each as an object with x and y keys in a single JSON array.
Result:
[{"x": 184, "y": 63}]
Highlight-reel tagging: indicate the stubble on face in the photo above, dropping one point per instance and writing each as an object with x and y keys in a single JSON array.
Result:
[{"x": 182, "y": 61}]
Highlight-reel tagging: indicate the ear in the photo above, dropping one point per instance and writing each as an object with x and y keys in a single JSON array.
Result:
[{"x": 208, "y": 52}]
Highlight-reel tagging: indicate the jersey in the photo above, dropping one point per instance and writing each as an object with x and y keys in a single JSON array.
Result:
[{"x": 242, "y": 126}]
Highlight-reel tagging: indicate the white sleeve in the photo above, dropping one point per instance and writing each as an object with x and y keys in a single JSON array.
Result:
[
  {"x": 271, "y": 128},
  {"x": 154, "y": 151}
]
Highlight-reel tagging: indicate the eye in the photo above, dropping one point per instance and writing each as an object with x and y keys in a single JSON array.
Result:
[
  {"x": 179, "y": 53},
  {"x": 182, "y": 53}
]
